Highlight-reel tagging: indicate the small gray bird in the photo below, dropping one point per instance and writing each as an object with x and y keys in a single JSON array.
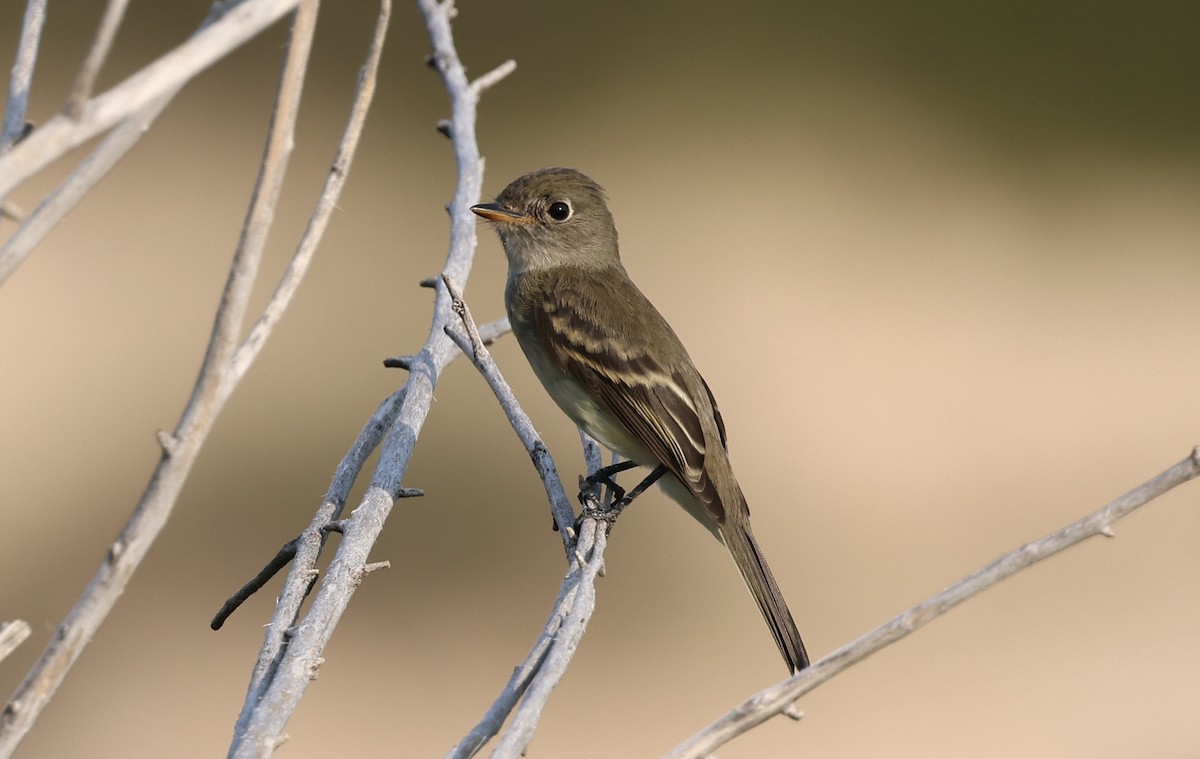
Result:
[{"x": 612, "y": 363}]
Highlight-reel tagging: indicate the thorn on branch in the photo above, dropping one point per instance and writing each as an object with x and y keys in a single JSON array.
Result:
[
  {"x": 539, "y": 453},
  {"x": 493, "y": 77},
  {"x": 1107, "y": 531},
  {"x": 338, "y": 526},
  {"x": 446, "y": 127},
  {"x": 459, "y": 307},
  {"x": 408, "y": 493},
  {"x": 366, "y": 569},
  {"x": 168, "y": 442},
  {"x": 399, "y": 362},
  {"x": 313, "y": 666},
  {"x": 794, "y": 712},
  {"x": 281, "y": 560},
  {"x": 430, "y": 282}
]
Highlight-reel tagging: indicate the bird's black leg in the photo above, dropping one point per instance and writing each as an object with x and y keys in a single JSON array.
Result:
[
  {"x": 651, "y": 478},
  {"x": 603, "y": 476},
  {"x": 593, "y": 510}
]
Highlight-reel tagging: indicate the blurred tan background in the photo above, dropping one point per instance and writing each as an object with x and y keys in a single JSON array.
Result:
[{"x": 939, "y": 263}]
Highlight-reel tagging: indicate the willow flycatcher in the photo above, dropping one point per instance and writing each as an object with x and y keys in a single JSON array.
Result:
[{"x": 611, "y": 362}]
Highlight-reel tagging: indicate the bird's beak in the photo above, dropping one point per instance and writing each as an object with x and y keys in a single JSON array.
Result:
[{"x": 498, "y": 213}]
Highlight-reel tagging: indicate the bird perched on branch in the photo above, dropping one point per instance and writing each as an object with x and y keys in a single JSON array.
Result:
[{"x": 612, "y": 363}]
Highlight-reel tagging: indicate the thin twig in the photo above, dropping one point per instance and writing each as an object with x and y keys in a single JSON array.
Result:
[
  {"x": 298, "y": 583},
  {"x": 283, "y": 672},
  {"x": 534, "y": 679},
  {"x": 63, "y": 133},
  {"x": 86, "y": 80},
  {"x": 580, "y": 595},
  {"x": 776, "y": 700},
  {"x": 529, "y": 688},
  {"x": 326, "y": 203},
  {"x": 212, "y": 388},
  {"x": 280, "y": 560},
  {"x": 54, "y": 207},
  {"x": 220, "y": 360},
  {"x": 308, "y": 545},
  {"x": 471, "y": 344},
  {"x": 493, "y": 77},
  {"x": 21, "y": 79}
]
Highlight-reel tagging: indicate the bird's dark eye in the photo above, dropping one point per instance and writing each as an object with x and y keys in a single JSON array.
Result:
[{"x": 559, "y": 210}]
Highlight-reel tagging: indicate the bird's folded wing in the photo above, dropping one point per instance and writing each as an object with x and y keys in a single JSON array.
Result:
[{"x": 651, "y": 401}]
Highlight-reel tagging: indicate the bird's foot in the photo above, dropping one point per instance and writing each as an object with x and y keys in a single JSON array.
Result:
[
  {"x": 594, "y": 509},
  {"x": 611, "y": 509},
  {"x": 604, "y": 476}
]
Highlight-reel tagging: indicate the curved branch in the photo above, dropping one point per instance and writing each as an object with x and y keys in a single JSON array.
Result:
[
  {"x": 286, "y": 666},
  {"x": 135, "y": 121},
  {"x": 218, "y": 376},
  {"x": 777, "y": 699},
  {"x": 472, "y": 344},
  {"x": 166, "y": 75},
  {"x": 529, "y": 688}
]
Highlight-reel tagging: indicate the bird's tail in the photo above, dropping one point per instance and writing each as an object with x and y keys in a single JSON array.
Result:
[{"x": 753, "y": 566}]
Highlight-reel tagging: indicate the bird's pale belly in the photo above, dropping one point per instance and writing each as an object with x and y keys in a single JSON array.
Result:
[
  {"x": 593, "y": 418},
  {"x": 583, "y": 409}
]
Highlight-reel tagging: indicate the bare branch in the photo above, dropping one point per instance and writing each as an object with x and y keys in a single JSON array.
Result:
[
  {"x": 22, "y": 76},
  {"x": 114, "y": 12},
  {"x": 578, "y": 599},
  {"x": 281, "y": 559},
  {"x": 88, "y": 174},
  {"x": 326, "y": 203},
  {"x": 166, "y": 75},
  {"x": 308, "y": 545},
  {"x": 472, "y": 345},
  {"x": 282, "y": 674},
  {"x": 212, "y": 389},
  {"x": 534, "y": 679},
  {"x": 221, "y": 358},
  {"x": 493, "y": 77},
  {"x": 777, "y": 699},
  {"x": 67, "y": 195}
]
